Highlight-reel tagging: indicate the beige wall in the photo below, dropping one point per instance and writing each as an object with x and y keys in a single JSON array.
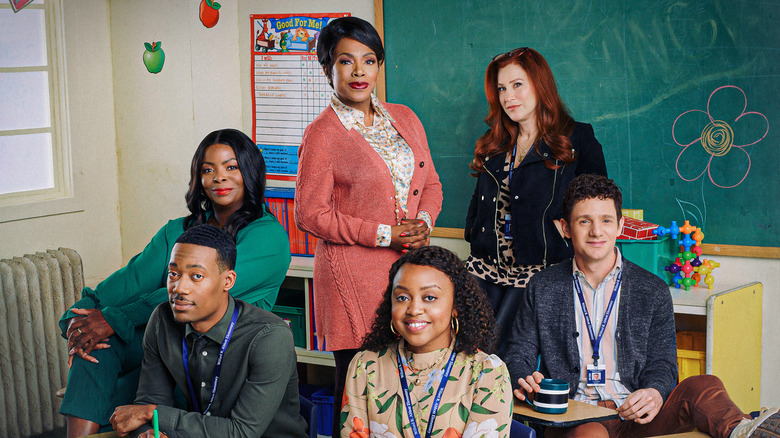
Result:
[
  {"x": 93, "y": 232},
  {"x": 204, "y": 85},
  {"x": 162, "y": 117}
]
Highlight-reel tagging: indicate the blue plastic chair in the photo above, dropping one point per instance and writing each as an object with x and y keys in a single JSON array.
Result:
[
  {"x": 520, "y": 430},
  {"x": 309, "y": 413}
]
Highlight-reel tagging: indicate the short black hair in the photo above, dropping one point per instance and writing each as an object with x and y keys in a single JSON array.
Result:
[
  {"x": 213, "y": 237},
  {"x": 347, "y": 27},
  {"x": 475, "y": 316},
  {"x": 589, "y": 186}
]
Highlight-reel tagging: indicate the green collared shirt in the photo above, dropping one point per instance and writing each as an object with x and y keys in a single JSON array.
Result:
[{"x": 257, "y": 393}]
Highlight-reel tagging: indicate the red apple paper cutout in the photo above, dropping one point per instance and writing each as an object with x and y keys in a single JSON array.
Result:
[
  {"x": 154, "y": 57},
  {"x": 209, "y": 12}
]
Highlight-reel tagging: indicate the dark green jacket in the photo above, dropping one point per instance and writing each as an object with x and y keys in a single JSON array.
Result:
[{"x": 257, "y": 392}]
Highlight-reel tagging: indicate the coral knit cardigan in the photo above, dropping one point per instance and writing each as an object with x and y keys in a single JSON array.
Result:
[{"x": 344, "y": 190}]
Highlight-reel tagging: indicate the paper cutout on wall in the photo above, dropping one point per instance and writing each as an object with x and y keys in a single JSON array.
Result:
[
  {"x": 154, "y": 57},
  {"x": 209, "y": 12},
  {"x": 19, "y": 4}
]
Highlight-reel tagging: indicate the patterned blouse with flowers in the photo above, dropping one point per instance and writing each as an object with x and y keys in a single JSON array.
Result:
[
  {"x": 477, "y": 400},
  {"x": 394, "y": 150}
]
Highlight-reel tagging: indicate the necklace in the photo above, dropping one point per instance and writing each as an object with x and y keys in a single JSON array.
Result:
[
  {"x": 422, "y": 370},
  {"x": 522, "y": 150}
]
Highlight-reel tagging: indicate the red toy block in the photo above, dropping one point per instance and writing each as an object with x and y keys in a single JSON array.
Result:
[{"x": 635, "y": 229}]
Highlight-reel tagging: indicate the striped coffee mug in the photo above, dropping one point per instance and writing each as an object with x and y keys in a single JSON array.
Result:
[{"x": 553, "y": 398}]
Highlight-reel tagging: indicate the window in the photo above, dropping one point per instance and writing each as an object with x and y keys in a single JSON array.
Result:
[{"x": 35, "y": 163}]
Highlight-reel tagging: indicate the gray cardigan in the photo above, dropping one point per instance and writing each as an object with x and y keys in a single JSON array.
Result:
[{"x": 647, "y": 345}]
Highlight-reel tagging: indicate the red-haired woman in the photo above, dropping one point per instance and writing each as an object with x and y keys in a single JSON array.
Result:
[{"x": 524, "y": 163}]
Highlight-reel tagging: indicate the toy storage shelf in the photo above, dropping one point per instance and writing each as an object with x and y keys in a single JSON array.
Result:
[
  {"x": 303, "y": 268},
  {"x": 732, "y": 317}
]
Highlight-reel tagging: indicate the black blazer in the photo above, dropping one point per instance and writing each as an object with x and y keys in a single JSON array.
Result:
[{"x": 536, "y": 200}]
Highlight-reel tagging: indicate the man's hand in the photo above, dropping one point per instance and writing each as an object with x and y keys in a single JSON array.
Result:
[
  {"x": 530, "y": 384},
  {"x": 128, "y": 418},
  {"x": 85, "y": 332},
  {"x": 641, "y": 406}
]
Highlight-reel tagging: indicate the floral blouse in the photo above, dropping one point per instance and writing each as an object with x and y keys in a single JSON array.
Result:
[
  {"x": 394, "y": 150},
  {"x": 477, "y": 400}
]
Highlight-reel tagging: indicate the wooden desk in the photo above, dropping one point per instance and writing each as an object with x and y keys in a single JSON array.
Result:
[{"x": 577, "y": 413}]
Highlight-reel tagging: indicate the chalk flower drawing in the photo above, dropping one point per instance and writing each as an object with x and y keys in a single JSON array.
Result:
[{"x": 717, "y": 137}]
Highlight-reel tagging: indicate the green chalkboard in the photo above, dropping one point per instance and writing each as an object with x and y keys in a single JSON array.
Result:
[{"x": 630, "y": 68}]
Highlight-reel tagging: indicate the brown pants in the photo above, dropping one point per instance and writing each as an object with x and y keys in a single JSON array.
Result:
[{"x": 699, "y": 402}]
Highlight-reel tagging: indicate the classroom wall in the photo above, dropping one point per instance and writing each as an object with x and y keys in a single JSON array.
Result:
[
  {"x": 162, "y": 117},
  {"x": 94, "y": 232},
  {"x": 204, "y": 85}
]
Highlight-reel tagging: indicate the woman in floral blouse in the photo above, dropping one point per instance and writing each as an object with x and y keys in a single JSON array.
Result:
[{"x": 427, "y": 348}]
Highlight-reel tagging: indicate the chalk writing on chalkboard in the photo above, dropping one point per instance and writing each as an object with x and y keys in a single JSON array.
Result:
[
  {"x": 698, "y": 216},
  {"x": 717, "y": 138}
]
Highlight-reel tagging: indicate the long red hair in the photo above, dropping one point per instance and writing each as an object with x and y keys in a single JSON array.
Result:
[{"x": 553, "y": 120}]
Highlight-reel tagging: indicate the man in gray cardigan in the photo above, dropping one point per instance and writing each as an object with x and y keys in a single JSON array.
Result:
[{"x": 606, "y": 326}]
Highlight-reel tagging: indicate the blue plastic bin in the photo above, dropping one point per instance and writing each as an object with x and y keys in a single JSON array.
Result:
[{"x": 324, "y": 401}]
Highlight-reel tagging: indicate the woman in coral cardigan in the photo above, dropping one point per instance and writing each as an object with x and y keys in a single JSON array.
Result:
[{"x": 366, "y": 187}]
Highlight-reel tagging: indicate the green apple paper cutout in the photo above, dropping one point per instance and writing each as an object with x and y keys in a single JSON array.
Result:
[
  {"x": 154, "y": 57},
  {"x": 209, "y": 12}
]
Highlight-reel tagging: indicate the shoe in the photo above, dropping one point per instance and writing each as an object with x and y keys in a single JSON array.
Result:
[{"x": 766, "y": 425}]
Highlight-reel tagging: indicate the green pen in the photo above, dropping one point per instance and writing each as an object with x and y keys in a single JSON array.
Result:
[{"x": 156, "y": 424}]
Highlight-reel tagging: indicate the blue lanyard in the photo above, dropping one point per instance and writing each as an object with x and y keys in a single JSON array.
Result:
[
  {"x": 436, "y": 401},
  {"x": 595, "y": 341},
  {"x": 185, "y": 354},
  {"x": 512, "y": 167}
]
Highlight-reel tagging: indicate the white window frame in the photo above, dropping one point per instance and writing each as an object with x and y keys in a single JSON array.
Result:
[{"x": 62, "y": 198}]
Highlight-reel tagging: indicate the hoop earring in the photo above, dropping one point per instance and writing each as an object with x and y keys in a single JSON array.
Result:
[
  {"x": 455, "y": 324},
  {"x": 392, "y": 329}
]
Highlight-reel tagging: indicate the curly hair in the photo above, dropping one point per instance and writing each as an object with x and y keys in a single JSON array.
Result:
[
  {"x": 475, "y": 316},
  {"x": 587, "y": 186},
  {"x": 553, "y": 119},
  {"x": 252, "y": 167}
]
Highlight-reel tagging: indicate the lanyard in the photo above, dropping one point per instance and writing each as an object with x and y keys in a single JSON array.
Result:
[
  {"x": 595, "y": 341},
  {"x": 436, "y": 401},
  {"x": 185, "y": 353},
  {"x": 512, "y": 167}
]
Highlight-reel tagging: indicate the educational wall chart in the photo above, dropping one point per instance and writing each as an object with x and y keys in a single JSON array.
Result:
[{"x": 290, "y": 88}]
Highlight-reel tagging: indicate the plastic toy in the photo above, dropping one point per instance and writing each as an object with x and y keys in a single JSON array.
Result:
[
  {"x": 706, "y": 269},
  {"x": 673, "y": 231},
  {"x": 688, "y": 268}
]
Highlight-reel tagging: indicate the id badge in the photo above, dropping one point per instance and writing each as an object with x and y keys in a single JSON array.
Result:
[
  {"x": 508, "y": 226},
  {"x": 597, "y": 375}
]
